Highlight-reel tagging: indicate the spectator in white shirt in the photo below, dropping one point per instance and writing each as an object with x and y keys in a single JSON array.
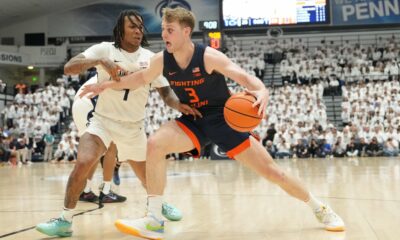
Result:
[{"x": 391, "y": 148}]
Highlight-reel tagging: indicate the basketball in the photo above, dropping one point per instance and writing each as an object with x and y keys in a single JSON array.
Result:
[{"x": 240, "y": 114}]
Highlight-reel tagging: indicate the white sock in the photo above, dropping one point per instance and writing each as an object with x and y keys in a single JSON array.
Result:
[
  {"x": 314, "y": 203},
  {"x": 106, "y": 187},
  {"x": 67, "y": 214},
  {"x": 154, "y": 205},
  {"x": 88, "y": 186}
]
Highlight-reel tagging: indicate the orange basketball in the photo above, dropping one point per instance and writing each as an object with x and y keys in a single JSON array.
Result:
[{"x": 240, "y": 114}]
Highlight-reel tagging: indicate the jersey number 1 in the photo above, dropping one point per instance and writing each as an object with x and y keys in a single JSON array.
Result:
[{"x": 126, "y": 95}]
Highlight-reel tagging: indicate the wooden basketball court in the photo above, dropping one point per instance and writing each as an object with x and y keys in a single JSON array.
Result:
[{"x": 221, "y": 200}]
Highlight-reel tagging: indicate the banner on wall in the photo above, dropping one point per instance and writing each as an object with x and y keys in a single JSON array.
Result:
[
  {"x": 365, "y": 12},
  {"x": 99, "y": 19},
  {"x": 14, "y": 58},
  {"x": 46, "y": 56}
]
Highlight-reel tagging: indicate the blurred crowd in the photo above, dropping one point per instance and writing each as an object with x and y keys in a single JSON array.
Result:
[{"x": 296, "y": 123}]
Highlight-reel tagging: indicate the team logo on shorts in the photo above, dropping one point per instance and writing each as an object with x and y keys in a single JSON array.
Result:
[{"x": 219, "y": 152}]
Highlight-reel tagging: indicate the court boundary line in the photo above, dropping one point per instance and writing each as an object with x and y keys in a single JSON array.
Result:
[{"x": 29, "y": 228}]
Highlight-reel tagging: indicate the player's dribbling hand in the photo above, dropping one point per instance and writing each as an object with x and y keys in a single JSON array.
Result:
[
  {"x": 262, "y": 97},
  {"x": 91, "y": 90},
  {"x": 113, "y": 69},
  {"x": 187, "y": 110}
]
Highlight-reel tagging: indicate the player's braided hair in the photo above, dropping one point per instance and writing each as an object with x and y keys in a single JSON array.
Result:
[{"x": 119, "y": 27}]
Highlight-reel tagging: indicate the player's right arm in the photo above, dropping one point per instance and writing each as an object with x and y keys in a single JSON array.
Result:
[
  {"x": 94, "y": 56},
  {"x": 131, "y": 81},
  {"x": 79, "y": 63}
]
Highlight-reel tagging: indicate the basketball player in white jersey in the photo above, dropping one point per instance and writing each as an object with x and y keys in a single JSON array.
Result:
[{"x": 118, "y": 115}]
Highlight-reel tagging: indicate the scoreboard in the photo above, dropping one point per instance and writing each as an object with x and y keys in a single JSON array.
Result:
[{"x": 212, "y": 35}]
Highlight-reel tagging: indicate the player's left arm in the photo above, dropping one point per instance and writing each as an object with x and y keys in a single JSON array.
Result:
[
  {"x": 219, "y": 62},
  {"x": 170, "y": 98}
]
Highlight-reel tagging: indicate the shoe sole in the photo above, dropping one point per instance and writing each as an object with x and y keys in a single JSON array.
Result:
[
  {"x": 84, "y": 200},
  {"x": 173, "y": 219},
  {"x": 68, "y": 234},
  {"x": 113, "y": 201},
  {"x": 335, "y": 229},
  {"x": 122, "y": 228}
]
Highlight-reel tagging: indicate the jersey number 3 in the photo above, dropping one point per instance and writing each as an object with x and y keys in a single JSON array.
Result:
[{"x": 193, "y": 96}]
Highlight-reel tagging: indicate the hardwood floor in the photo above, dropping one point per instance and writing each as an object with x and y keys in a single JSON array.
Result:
[{"x": 221, "y": 200}]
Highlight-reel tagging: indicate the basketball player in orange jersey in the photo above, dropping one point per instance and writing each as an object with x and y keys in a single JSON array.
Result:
[
  {"x": 196, "y": 74},
  {"x": 118, "y": 116}
]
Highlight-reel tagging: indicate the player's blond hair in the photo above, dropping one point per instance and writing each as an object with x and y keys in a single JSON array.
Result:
[{"x": 183, "y": 16}]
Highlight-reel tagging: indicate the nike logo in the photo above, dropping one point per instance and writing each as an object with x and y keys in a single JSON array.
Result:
[
  {"x": 171, "y": 73},
  {"x": 159, "y": 229},
  {"x": 112, "y": 196}
]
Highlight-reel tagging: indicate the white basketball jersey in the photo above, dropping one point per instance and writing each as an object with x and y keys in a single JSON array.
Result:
[{"x": 123, "y": 105}]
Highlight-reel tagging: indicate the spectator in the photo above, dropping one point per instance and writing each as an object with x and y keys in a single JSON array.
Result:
[
  {"x": 5, "y": 153},
  {"x": 361, "y": 146},
  {"x": 339, "y": 148},
  {"x": 374, "y": 149},
  {"x": 313, "y": 148},
  {"x": 351, "y": 149},
  {"x": 48, "y": 149},
  {"x": 271, "y": 131},
  {"x": 59, "y": 154},
  {"x": 283, "y": 149},
  {"x": 301, "y": 149},
  {"x": 325, "y": 149},
  {"x": 391, "y": 148},
  {"x": 21, "y": 145},
  {"x": 270, "y": 148},
  {"x": 70, "y": 150}
]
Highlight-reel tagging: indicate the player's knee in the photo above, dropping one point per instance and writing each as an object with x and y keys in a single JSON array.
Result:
[
  {"x": 83, "y": 165},
  {"x": 85, "y": 160},
  {"x": 155, "y": 145}
]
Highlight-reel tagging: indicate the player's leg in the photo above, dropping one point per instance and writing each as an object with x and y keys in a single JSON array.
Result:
[
  {"x": 139, "y": 168},
  {"x": 106, "y": 194},
  {"x": 88, "y": 195},
  {"x": 116, "y": 178},
  {"x": 158, "y": 146},
  {"x": 91, "y": 147},
  {"x": 169, "y": 211},
  {"x": 258, "y": 159},
  {"x": 170, "y": 138}
]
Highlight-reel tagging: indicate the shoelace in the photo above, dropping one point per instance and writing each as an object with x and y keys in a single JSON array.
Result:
[
  {"x": 326, "y": 215},
  {"x": 55, "y": 220},
  {"x": 168, "y": 208}
]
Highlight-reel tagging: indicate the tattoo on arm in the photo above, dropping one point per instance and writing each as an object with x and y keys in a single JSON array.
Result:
[
  {"x": 169, "y": 97},
  {"x": 79, "y": 64}
]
